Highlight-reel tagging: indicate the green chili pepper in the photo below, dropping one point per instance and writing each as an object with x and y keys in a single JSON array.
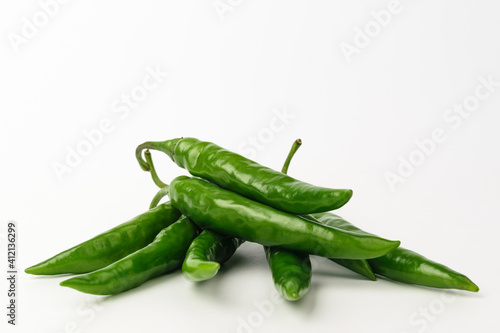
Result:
[
  {"x": 360, "y": 266},
  {"x": 291, "y": 270},
  {"x": 206, "y": 253},
  {"x": 164, "y": 254},
  {"x": 226, "y": 212},
  {"x": 404, "y": 265},
  {"x": 399, "y": 264},
  {"x": 410, "y": 267},
  {"x": 246, "y": 177},
  {"x": 111, "y": 245}
]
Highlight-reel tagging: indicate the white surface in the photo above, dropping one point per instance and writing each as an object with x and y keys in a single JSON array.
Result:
[{"x": 226, "y": 80}]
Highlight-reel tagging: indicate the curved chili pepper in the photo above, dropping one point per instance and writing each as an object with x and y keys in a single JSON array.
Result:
[
  {"x": 164, "y": 254},
  {"x": 226, "y": 212},
  {"x": 404, "y": 265},
  {"x": 407, "y": 266},
  {"x": 291, "y": 271},
  {"x": 111, "y": 245},
  {"x": 399, "y": 264},
  {"x": 206, "y": 253},
  {"x": 246, "y": 177}
]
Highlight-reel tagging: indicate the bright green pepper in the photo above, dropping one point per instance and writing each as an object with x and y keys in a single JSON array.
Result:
[
  {"x": 246, "y": 177},
  {"x": 291, "y": 271},
  {"x": 410, "y": 267},
  {"x": 399, "y": 264},
  {"x": 109, "y": 246},
  {"x": 360, "y": 266},
  {"x": 206, "y": 253},
  {"x": 164, "y": 254},
  {"x": 226, "y": 212},
  {"x": 404, "y": 265}
]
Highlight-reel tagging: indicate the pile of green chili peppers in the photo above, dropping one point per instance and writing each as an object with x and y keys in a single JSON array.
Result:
[{"x": 229, "y": 200}]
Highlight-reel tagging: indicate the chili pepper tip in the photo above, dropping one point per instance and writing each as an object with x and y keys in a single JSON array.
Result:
[
  {"x": 69, "y": 283},
  {"x": 291, "y": 290},
  {"x": 200, "y": 271},
  {"x": 469, "y": 285},
  {"x": 30, "y": 270},
  {"x": 81, "y": 284}
]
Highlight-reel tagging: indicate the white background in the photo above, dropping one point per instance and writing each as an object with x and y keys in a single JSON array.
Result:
[{"x": 229, "y": 75}]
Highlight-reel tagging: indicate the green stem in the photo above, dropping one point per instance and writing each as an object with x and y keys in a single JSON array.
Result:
[
  {"x": 293, "y": 150},
  {"x": 163, "y": 192},
  {"x": 138, "y": 155},
  {"x": 163, "y": 187},
  {"x": 152, "y": 170},
  {"x": 146, "y": 146},
  {"x": 167, "y": 147}
]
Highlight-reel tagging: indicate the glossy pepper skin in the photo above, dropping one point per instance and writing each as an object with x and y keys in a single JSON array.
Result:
[
  {"x": 226, "y": 212},
  {"x": 404, "y": 265},
  {"x": 360, "y": 266},
  {"x": 111, "y": 245},
  {"x": 206, "y": 253},
  {"x": 410, "y": 267},
  {"x": 246, "y": 177},
  {"x": 164, "y": 254},
  {"x": 291, "y": 271},
  {"x": 400, "y": 264}
]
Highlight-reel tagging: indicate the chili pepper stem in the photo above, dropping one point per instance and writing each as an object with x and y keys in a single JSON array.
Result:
[
  {"x": 164, "y": 188},
  {"x": 163, "y": 192},
  {"x": 167, "y": 147},
  {"x": 152, "y": 170},
  {"x": 296, "y": 145},
  {"x": 347, "y": 194}
]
